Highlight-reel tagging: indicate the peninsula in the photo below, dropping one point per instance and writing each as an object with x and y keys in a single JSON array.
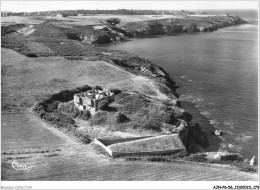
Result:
[{"x": 52, "y": 67}]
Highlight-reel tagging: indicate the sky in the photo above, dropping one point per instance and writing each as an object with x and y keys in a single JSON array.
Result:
[{"x": 33, "y": 6}]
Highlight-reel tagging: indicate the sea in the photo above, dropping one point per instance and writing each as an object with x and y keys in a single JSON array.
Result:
[{"x": 217, "y": 75}]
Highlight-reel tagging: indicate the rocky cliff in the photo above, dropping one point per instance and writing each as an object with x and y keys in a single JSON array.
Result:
[{"x": 189, "y": 24}]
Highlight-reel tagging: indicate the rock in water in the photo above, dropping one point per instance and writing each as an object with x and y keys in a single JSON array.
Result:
[
  {"x": 217, "y": 132},
  {"x": 252, "y": 161}
]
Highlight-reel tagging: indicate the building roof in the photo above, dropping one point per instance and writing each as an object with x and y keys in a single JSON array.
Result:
[
  {"x": 94, "y": 94},
  {"x": 158, "y": 143}
]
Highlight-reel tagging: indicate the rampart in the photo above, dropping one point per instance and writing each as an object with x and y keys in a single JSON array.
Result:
[{"x": 173, "y": 148}]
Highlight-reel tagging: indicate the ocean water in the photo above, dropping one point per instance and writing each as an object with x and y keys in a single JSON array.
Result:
[
  {"x": 217, "y": 73},
  {"x": 250, "y": 15}
]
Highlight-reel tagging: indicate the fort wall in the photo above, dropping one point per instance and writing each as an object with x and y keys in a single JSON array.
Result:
[{"x": 89, "y": 100}]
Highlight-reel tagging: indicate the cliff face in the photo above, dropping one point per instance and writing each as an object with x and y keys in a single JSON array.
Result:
[
  {"x": 185, "y": 25},
  {"x": 161, "y": 26},
  {"x": 103, "y": 35}
]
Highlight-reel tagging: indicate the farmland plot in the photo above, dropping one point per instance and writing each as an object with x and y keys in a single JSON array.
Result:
[
  {"x": 23, "y": 131},
  {"x": 79, "y": 162},
  {"x": 56, "y": 157}
]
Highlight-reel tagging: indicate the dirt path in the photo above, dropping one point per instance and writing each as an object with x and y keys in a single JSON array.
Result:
[
  {"x": 142, "y": 84},
  {"x": 26, "y": 31}
]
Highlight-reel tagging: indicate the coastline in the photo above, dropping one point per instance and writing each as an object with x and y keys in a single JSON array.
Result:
[
  {"x": 141, "y": 66},
  {"x": 161, "y": 85},
  {"x": 192, "y": 89},
  {"x": 151, "y": 28}
]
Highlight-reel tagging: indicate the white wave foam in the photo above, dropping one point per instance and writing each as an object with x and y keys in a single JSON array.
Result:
[
  {"x": 229, "y": 124},
  {"x": 231, "y": 146},
  {"x": 223, "y": 145},
  {"x": 229, "y": 132},
  {"x": 242, "y": 138},
  {"x": 205, "y": 113},
  {"x": 213, "y": 122},
  {"x": 239, "y": 148},
  {"x": 191, "y": 98}
]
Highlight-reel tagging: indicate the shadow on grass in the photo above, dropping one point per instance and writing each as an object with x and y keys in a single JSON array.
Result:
[{"x": 111, "y": 109}]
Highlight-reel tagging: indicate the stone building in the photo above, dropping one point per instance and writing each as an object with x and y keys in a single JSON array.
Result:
[
  {"x": 58, "y": 15},
  {"x": 89, "y": 100}
]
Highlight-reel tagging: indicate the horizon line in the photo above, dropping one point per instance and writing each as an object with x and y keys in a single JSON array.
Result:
[
  {"x": 134, "y": 9},
  {"x": 41, "y": 6}
]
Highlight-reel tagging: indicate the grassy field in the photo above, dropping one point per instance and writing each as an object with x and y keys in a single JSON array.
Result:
[
  {"x": 53, "y": 74},
  {"x": 80, "y": 162},
  {"x": 90, "y": 19},
  {"x": 19, "y": 19},
  {"x": 123, "y": 18},
  {"x": 24, "y": 133},
  {"x": 82, "y": 20}
]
